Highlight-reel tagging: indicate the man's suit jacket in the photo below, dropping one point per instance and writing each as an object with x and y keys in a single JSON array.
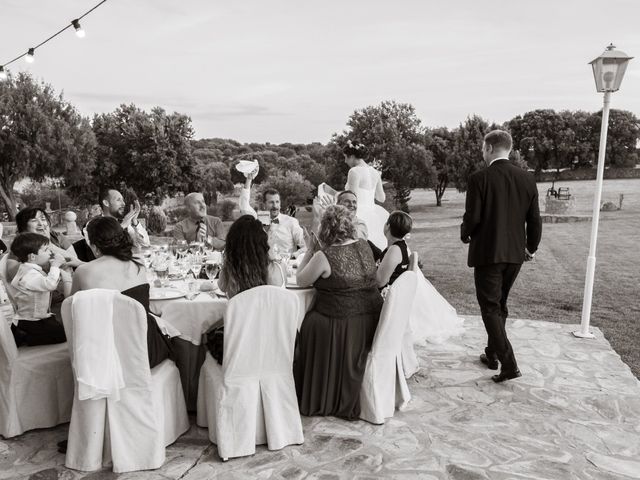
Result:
[{"x": 501, "y": 199}]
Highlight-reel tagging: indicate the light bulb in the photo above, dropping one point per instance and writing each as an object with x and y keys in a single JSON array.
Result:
[
  {"x": 29, "y": 56},
  {"x": 3, "y": 73},
  {"x": 608, "y": 78},
  {"x": 79, "y": 30}
]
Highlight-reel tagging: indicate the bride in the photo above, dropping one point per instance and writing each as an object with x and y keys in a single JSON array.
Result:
[{"x": 365, "y": 182}]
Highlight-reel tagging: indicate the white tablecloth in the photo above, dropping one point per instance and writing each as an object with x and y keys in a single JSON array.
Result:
[{"x": 192, "y": 318}]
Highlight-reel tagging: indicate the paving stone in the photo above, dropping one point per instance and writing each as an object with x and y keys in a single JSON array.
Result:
[{"x": 575, "y": 414}]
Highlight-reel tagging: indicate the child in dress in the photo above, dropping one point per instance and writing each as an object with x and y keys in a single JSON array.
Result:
[
  {"x": 34, "y": 324},
  {"x": 395, "y": 258}
]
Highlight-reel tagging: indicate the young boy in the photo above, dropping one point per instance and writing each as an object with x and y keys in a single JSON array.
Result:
[
  {"x": 395, "y": 258},
  {"x": 34, "y": 324}
]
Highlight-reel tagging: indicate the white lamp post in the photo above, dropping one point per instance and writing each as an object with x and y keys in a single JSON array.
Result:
[{"x": 608, "y": 70}]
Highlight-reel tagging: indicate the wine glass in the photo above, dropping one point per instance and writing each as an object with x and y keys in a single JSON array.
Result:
[
  {"x": 211, "y": 269},
  {"x": 162, "y": 272},
  {"x": 196, "y": 266},
  {"x": 181, "y": 247}
]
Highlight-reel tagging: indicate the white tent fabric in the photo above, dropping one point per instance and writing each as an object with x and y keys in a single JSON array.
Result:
[
  {"x": 251, "y": 399},
  {"x": 36, "y": 385},
  {"x": 384, "y": 386},
  {"x": 130, "y": 433}
]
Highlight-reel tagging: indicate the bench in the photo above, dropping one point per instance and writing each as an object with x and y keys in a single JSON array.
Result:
[{"x": 563, "y": 193}]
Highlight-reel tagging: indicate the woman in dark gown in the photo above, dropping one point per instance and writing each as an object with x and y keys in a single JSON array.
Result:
[
  {"x": 115, "y": 268},
  {"x": 337, "y": 333}
]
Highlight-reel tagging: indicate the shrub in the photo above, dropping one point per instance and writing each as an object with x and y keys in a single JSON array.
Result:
[
  {"x": 176, "y": 214},
  {"x": 37, "y": 196},
  {"x": 225, "y": 208},
  {"x": 156, "y": 221}
]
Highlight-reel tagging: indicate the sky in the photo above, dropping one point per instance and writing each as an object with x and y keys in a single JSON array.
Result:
[{"x": 293, "y": 71}]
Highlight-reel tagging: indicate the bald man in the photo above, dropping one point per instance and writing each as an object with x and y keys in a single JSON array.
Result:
[{"x": 198, "y": 226}]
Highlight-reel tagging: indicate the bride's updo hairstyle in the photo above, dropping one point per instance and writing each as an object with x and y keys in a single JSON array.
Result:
[
  {"x": 354, "y": 149},
  {"x": 107, "y": 234}
]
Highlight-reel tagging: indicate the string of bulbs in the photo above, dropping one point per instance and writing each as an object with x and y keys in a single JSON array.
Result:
[{"x": 29, "y": 55}]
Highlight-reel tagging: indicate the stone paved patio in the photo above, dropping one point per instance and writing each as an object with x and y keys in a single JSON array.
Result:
[{"x": 575, "y": 414}]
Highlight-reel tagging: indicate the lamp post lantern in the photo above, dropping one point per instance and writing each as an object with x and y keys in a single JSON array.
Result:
[{"x": 608, "y": 70}]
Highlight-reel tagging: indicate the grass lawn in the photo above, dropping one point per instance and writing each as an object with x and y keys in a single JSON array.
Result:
[{"x": 551, "y": 287}]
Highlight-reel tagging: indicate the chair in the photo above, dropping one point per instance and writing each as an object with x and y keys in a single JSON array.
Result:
[
  {"x": 132, "y": 432},
  {"x": 251, "y": 399},
  {"x": 410, "y": 363},
  {"x": 384, "y": 386},
  {"x": 414, "y": 261},
  {"x": 36, "y": 385}
]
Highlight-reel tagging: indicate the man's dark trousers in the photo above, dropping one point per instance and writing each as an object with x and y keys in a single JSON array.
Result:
[{"x": 493, "y": 283}]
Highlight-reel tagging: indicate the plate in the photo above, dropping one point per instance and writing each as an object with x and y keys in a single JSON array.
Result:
[
  {"x": 219, "y": 292},
  {"x": 165, "y": 293},
  {"x": 246, "y": 167},
  {"x": 292, "y": 285}
]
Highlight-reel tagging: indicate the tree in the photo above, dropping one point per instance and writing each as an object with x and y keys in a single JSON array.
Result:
[
  {"x": 393, "y": 136},
  {"x": 467, "y": 150},
  {"x": 149, "y": 153},
  {"x": 211, "y": 178},
  {"x": 622, "y": 137},
  {"x": 292, "y": 187},
  {"x": 439, "y": 142},
  {"x": 41, "y": 135},
  {"x": 547, "y": 139}
]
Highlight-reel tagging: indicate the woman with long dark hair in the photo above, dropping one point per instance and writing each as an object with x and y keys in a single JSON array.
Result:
[
  {"x": 246, "y": 265},
  {"x": 246, "y": 258},
  {"x": 115, "y": 268}
]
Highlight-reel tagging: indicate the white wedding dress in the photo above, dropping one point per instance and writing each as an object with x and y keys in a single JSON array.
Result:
[
  {"x": 365, "y": 182},
  {"x": 433, "y": 319}
]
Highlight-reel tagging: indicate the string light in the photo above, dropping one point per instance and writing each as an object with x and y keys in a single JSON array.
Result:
[
  {"x": 29, "y": 55},
  {"x": 79, "y": 30}
]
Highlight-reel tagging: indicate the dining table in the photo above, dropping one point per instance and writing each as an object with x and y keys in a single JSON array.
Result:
[{"x": 190, "y": 309}]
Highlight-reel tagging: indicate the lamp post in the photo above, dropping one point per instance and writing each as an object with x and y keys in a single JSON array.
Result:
[{"x": 608, "y": 70}]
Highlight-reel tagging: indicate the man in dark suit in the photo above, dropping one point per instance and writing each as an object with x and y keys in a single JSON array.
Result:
[{"x": 501, "y": 200}]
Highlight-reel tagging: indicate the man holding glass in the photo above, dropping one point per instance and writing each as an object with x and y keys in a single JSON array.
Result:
[
  {"x": 286, "y": 236},
  {"x": 198, "y": 226}
]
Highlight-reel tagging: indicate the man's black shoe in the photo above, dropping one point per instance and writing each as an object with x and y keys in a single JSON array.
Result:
[
  {"x": 506, "y": 376},
  {"x": 491, "y": 363}
]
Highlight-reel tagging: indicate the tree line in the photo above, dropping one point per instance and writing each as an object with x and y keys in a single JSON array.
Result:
[{"x": 153, "y": 154}]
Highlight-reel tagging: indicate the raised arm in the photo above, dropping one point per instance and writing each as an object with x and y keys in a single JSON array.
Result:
[{"x": 245, "y": 195}]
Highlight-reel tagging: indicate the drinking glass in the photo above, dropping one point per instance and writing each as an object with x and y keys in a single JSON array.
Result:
[
  {"x": 196, "y": 247},
  {"x": 181, "y": 247},
  {"x": 211, "y": 269},
  {"x": 162, "y": 272},
  {"x": 196, "y": 266}
]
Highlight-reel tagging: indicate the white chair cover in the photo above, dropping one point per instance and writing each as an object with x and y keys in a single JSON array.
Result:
[
  {"x": 251, "y": 399},
  {"x": 130, "y": 433},
  {"x": 97, "y": 363},
  {"x": 410, "y": 363},
  {"x": 36, "y": 385},
  {"x": 384, "y": 386}
]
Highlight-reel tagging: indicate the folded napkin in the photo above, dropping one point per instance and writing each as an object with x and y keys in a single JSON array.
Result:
[{"x": 96, "y": 361}]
